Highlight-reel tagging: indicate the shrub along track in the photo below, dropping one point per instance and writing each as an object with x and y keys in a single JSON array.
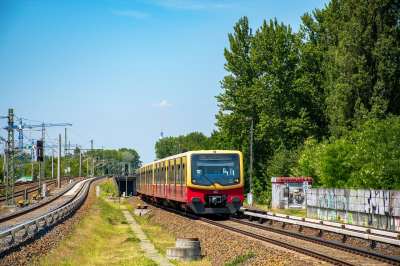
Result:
[{"x": 38, "y": 245}]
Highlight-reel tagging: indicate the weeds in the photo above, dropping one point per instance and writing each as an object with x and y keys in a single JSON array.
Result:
[
  {"x": 240, "y": 259},
  {"x": 132, "y": 239}
]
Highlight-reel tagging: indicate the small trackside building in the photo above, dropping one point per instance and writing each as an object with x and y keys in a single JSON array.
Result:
[{"x": 293, "y": 186}]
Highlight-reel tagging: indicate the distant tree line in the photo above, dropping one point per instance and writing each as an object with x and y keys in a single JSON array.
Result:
[
  {"x": 113, "y": 162},
  {"x": 324, "y": 100}
]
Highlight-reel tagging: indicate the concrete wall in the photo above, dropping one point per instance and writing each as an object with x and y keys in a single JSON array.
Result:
[{"x": 375, "y": 208}]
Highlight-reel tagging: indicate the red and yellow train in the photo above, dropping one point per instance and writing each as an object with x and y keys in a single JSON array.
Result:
[{"x": 206, "y": 182}]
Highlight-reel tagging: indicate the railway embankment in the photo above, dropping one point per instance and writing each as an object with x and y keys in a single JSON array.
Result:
[
  {"x": 35, "y": 246},
  {"x": 219, "y": 247}
]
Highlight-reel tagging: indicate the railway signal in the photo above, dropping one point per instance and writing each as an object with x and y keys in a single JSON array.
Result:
[{"x": 39, "y": 151}]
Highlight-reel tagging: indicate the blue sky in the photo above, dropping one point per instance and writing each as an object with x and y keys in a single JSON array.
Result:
[{"x": 111, "y": 67}]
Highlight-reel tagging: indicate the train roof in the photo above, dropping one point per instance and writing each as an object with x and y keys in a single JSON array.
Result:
[{"x": 180, "y": 155}]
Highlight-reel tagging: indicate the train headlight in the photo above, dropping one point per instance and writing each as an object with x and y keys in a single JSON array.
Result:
[{"x": 236, "y": 180}]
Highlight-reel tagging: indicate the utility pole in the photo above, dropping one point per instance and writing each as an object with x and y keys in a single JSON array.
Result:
[
  {"x": 52, "y": 163},
  {"x": 32, "y": 159},
  {"x": 250, "y": 201},
  {"x": 5, "y": 160},
  {"x": 65, "y": 153},
  {"x": 10, "y": 159},
  {"x": 59, "y": 162},
  {"x": 92, "y": 159},
  {"x": 68, "y": 169},
  {"x": 43, "y": 175},
  {"x": 80, "y": 163}
]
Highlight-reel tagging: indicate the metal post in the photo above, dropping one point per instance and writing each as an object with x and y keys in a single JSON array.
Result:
[
  {"x": 10, "y": 159},
  {"x": 251, "y": 156},
  {"x": 92, "y": 159},
  {"x": 68, "y": 169},
  {"x": 40, "y": 174},
  {"x": 43, "y": 175},
  {"x": 65, "y": 152},
  {"x": 80, "y": 163},
  {"x": 59, "y": 162},
  {"x": 5, "y": 161},
  {"x": 52, "y": 163},
  {"x": 32, "y": 160}
]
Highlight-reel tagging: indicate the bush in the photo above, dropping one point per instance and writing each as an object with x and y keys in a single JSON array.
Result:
[{"x": 364, "y": 158}]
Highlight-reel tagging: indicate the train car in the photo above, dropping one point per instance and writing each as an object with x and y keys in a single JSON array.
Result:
[{"x": 205, "y": 182}]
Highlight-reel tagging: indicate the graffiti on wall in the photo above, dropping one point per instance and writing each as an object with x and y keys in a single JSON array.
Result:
[{"x": 367, "y": 207}]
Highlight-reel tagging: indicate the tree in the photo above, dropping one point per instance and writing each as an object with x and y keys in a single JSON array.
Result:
[{"x": 361, "y": 60}]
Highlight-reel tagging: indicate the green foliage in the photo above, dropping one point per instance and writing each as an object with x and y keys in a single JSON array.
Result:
[
  {"x": 240, "y": 259},
  {"x": 363, "y": 158},
  {"x": 316, "y": 97},
  {"x": 361, "y": 59},
  {"x": 170, "y": 145},
  {"x": 108, "y": 189}
]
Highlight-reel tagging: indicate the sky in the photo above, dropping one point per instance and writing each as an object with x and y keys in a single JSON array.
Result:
[{"x": 110, "y": 67}]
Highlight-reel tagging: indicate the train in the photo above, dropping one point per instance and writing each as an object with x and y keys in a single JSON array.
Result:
[{"x": 203, "y": 182}]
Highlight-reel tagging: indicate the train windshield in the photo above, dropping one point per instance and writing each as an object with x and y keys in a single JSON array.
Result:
[{"x": 208, "y": 169}]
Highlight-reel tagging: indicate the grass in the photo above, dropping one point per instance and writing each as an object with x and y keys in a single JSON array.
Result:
[
  {"x": 108, "y": 189},
  {"x": 162, "y": 239},
  {"x": 102, "y": 238},
  {"x": 240, "y": 259}
]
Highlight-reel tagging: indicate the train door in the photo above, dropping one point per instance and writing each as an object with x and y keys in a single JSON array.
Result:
[
  {"x": 156, "y": 179},
  {"x": 145, "y": 180},
  {"x": 174, "y": 169},
  {"x": 171, "y": 175},
  {"x": 178, "y": 178},
  {"x": 148, "y": 181},
  {"x": 184, "y": 177},
  {"x": 168, "y": 184},
  {"x": 162, "y": 179},
  {"x": 152, "y": 179}
]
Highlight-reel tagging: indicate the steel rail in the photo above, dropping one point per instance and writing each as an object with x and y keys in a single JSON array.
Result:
[
  {"x": 21, "y": 183},
  {"x": 372, "y": 234},
  {"x": 21, "y": 231},
  {"x": 314, "y": 254},
  {"x": 28, "y": 210},
  {"x": 323, "y": 242}
]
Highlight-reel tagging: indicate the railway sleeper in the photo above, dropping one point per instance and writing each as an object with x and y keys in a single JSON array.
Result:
[
  {"x": 32, "y": 227},
  {"x": 21, "y": 233},
  {"x": 6, "y": 241}
]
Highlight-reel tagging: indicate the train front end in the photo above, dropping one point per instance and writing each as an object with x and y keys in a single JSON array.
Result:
[{"x": 215, "y": 182}]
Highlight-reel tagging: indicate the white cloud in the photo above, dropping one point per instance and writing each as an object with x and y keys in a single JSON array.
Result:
[
  {"x": 205, "y": 103},
  {"x": 131, "y": 13},
  {"x": 162, "y": 104}
]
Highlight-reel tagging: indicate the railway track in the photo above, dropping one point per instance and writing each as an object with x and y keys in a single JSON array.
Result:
[
  {"x": 33, "y": 189},
  {"x": 19, "y": 184},
  {"x": 379, "y": 258},
  {"x": 33, "y": 208},
  {"x": 301, "y": 250},
  {"x": 349, "y": 249},
  {"x": 17, "y": 226}
]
